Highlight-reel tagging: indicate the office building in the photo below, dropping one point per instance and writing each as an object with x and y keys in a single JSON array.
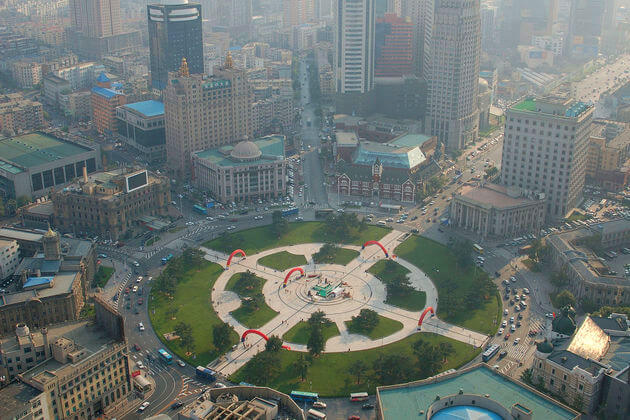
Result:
[
  {"x": 519, "y": 20},
  {"x": 415, "y": 11},
  {"x": 9, "y": 258},
  {"x": 452, "y": 49},
  {"x": 80, "y": 75},
  {"x": 393, "y": 46},
  {"x": 105, "y": 99},
  {"x": 246, "y": 172},
  {"x": 21, "y": 401},
  {"x": 33, "y": 164},
  {"x": 494, "y": 210},
  {"x": 174, "y": 33},
  {"x": 477, "y": 391},
  {"x": 354, "y": 46},
  {"x": 608, "y": 160},
  {"x": 297, "y": 12},
  {"x": 141, "y": 126},
  {"x": 545, "y": 150},
  {"x": 19, "y": 114},
  {"x": 588, "y": 19},
  {"x": 202, "y": 112},
  {"x": 488, "y": 28},
  {"x": 109, "y": 204},
  {"x": 95, "y": 18}
]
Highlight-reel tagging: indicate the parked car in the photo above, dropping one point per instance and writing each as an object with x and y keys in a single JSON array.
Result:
[
  {"x": 319, "y": 404},
  {"x": 143, "y": 406},
  {"x": 368, "y": 406}
]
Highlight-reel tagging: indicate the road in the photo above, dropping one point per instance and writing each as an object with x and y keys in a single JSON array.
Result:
[{"x": 606, "y": 80}]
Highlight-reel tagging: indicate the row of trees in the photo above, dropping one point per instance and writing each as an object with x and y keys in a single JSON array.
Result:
[
  {"x": 10, "y": 206},
  {"x": 326, "y": 254},
  {"x": 343, "y": 227},
  {"x": 316, "y": 342}
]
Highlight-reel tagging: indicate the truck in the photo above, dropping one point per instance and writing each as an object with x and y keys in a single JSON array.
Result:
[
  {"x": 290, "y": 211},
  {"x": 166, "y": 259}
]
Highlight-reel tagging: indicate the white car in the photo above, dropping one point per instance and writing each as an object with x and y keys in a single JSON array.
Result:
[
  {"x": 319, "y": 404},
  {"x": 136, "y": 264},
  {"x": 220, "y": 385},
  {"x": 139, "y": 279},
  {"x": 513, "y": 279},
  {"x": 135, "y": 289},
  {"x": 180, "y": 363},
  {"x": 516, "y": 341},
  {"x": 140, "y": 326},
  {"x": 504, "y": 323},
  {"x": 505, "y": 312},
  {"x": 500, "y": 332},
  {"x": 143, "y": 406}
]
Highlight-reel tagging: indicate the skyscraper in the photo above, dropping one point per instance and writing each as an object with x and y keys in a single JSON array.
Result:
[
  {"x": 174, "y": 33},
  {"x": 587, "y": 21},
  {"x": 452, "y": 47},
  {"x": 203, "y": 112},
  {"x": 95, "y": 18},
  {"x": 414, "y": 9},
  {"x": 487, "y": 27},
  {"x": 297, "y": 12},
  {"x": 393, "y": 42},
  {"x": 354, "y": 44}
]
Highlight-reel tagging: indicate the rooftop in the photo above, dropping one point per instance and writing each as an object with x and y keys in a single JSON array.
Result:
[
  {"x": 391, "y": 156},
  {"x": 411, "y": 140},
  {"x": 493, "y": 195},
  {"x": 105, "y": 92},
  {"x": 14, "y": 399},
  {"x": 560, "y": 106},
  {"x": 570, "y": 360},
  {"x": 63, "y": 282},
  {"x": 404, "y": 401},
  {"x": 589, "y": 341},
  {"x": 347, "y": 138},
  {"x": 35, "y": 149},
  {"x": 147, "y": 108},
  {"x": 271, "y": 148}
]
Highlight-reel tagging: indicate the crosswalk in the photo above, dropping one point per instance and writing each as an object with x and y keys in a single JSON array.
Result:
[
  {"x": 120, "y": 289},
  {"x": 191, "y": 386}
]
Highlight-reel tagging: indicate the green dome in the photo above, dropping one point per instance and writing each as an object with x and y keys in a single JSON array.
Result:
[
  {"x": 563, "y": 325},
  {"x": 544, "y": 346}
]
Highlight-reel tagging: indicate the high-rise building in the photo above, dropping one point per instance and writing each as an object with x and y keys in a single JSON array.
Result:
[
  {"x": 545, "y": 150},
  {"x": 174, "y": 33},
  {"x": 105, "y": 98},
  {"x": 452, "y": 48},
  {"x": 203, "y": 112},
  {"x": 393, "y": 46},
  {"x": 487, "y": 27},
  {"x": 414, "y": 10},
  {"x": 587, "y": 21},
  {"x": 230, "y": 14},
  {"x": 519, "y": 20},
  {"x": 297, "y": 12},
  {"x": 354, "y": 42},
  {"x": 95, "y": 18}
]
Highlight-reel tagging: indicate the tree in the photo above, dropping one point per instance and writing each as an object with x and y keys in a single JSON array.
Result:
[
  {"x": 279, "y": 224},
  {"x": 391, "y": 368},
  {"x": 301, "y": 365},
  {"x": 559, "y": 279},
  {"x": 491, "y": 172},
  {"x": 221, "y": 334},
  {"x": 357, "y": 369},
  {"x": 398, "y": 285},
  {"x": 316, "y": 343},
  {"x": 23, "y": 200},
  {"x": 367, "y": 320},
  {"x": 317, "y": 319},
  {"x": 429, "y": 358},
  {"x": 526, "y": 377},
  {"x": 565, "y": 298},
  {"x": 184, "y": 331},
  {"x": 463, "y": 253},
  {"x": 263, "y": 367},
  {"x": 446, "y": 349},
  {"x": 274, "y": 344}
]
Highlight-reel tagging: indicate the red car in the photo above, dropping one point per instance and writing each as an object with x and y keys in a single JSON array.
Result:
[
  {"x": 126, "y": 290},
  {"x": 136, "y": 347},
  {"x": 354, "y": 418},
  {"x": 507, "y": 337},
  {"x": 140, "y": 301}
]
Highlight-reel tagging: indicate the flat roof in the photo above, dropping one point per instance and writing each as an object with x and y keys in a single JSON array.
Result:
[
  {"x": 346, "y": 138},
  {"x": 272, "y": 148},
  {"x": 528, "y": 104},
  {"x": 411, "y": 140},
  {"x": 405, "y": 401},
  {"x": 14, "y": 397},
  {"x": 36, "y": 149},
  {"x": 147, "y": 108},
  {"x": 63, "y": 285},
  {"x": 20, "y": 235},
  {"x": 492, "y": 195},
  {"x": 105, "y": 92}
]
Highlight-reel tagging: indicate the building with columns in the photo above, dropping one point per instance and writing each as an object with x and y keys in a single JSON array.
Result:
[{"x": 494, "y": 210}]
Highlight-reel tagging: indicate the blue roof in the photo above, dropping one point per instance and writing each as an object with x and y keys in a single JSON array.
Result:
[
  {"x": 465, "y": 412},
  {"x": 102, "y": 78},
  {"x": 108, "y": 93},
  {"x": 148, "y": 108},
  {"x": 117, "y": 86},
  {"x": 37, "y": 281}
]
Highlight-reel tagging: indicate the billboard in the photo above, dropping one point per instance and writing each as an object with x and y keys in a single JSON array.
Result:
[{"x": 136, "y": 180}]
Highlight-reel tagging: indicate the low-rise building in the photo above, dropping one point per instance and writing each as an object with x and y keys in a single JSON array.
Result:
[
  {"x": 141, "y": 126},
  {"x": 52, "y": 88},
  {"x": 77, "y": 105},
  {"x": 111, "y": 203},
  {"x": 19, "y": 114},
  {"x": 9, "y": 258},
  {"x": 495, "y": 210},
  {"x": 37, "y": 215},
  {"x": 608, "y": 158},
  {"x": 245, "y": 172}
]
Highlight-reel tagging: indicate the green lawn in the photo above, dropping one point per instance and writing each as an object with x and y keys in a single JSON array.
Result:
[
  {"x": 412, "y": 301},
  {"x": 102, "y": 276},
  {"x": 300, "y": 332},
  {"x": 578, "y": 216},
  {"x": 192, "y": 300},
  {"x": 385, "y": 327},
  {"x": 328, "y": 375},
  {"x": 261, "y": 238},
  {"x": 250, "y": 318},
  {"x": 282, "y": 260},
  {"x": 152, "y": 241},
  {"x": 430, "y": 256},
  {"x": 342, "y": 257}
]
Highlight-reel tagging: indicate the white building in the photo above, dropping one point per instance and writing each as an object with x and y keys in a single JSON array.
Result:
[
  {"x": 9, "y": 259},
  {"x": 354, "y": 42},
  {"x": 545, "y": 150}
]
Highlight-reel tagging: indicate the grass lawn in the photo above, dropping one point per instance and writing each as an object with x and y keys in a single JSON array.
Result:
[
  {"x": 193, "y": 303},
  {"x": 250, "y": 318},
  {"x": 578, "y": 216},
  {"x": 342, "y": 257},
  {"x": 102, "y": 276},
  {"x": 282, "y": 260},
  {"x": 413, "y": 301},
  {"x": 152, "y": 241},
  {"x": 429, "y": 255},
  {"x": 329, "y": 372},
  {"x": 299, "y": 333},
  {"x": 261, "y": 238},
  {"x": 385, "y": 327}
]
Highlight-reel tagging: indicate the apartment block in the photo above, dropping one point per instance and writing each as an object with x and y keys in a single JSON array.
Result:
[
  {"x": 20, "y": 114},
  {"x": 9, "y": 258}
]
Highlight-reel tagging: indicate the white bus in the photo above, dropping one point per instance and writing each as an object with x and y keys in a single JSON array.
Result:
[
  {"x": 359, "y": 396},
  {"x": 477, "y": 248},
  {"x": 314, "y": 414}
]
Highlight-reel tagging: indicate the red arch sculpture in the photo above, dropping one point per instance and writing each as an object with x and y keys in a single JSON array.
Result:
[
  {"x": 293, "y": 270},
  {"x": 376, "y": 243},
  {"x": 246, "y": 333},
  {"x": 236, "y": 251},
  {"x": 429, "y": 309}
]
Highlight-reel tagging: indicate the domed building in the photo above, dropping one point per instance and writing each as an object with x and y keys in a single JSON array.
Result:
[{"x": 245, "y": 172}]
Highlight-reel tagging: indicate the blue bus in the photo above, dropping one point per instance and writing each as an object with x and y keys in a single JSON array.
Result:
[
  {"x": 292, "y": 210},
  {"x": 167, "y": 358},
  {"x": 490, "y": 352},
  {"x": 200, "y": 209},
  {"x": 206, "y": 373},
  {"x": 166, "y": 259},
  {"x": 301, "y": 396}
]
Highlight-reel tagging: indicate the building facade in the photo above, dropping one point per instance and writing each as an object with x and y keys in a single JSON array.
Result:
[
  {"x": 608, "y": 160},
  {"x": 354, "y": 46},
  {"x": 297, "y": 12},
  {"x": 110, "y": 203},
  {"x": 9, "y": 258},
  {"x": 393, "y": 46},
  {"x": 19, "y": 114},
  {"x": 174, "y": 33},
  {"x": 247, "y": 172},
  {"x": 452, "y": 49},
  {"x": 104, "y": 101},
  {"x": 205, "y": 112},
  {"x": 494, "y": 210},
  {"x": 545, "y": 150},
  {"x": 95, "y": 18},
  {"x": 141, "y": 126}
]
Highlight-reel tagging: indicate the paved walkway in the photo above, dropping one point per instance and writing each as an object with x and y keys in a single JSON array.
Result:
[{"x": 293, "y": 303}]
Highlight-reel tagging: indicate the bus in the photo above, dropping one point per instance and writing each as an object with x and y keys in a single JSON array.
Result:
[
  {"x": 206, "y": 373},
  {"x": 314, "y": 414},
  {"x": 358, "y": 396},
  {"x": 302, "y": 396},
  {"x": 323, "y": 213},
  {"x": 166, "y": 259},
  {"x": 200, "y": 209},
  {"x": 292, "y": 210},
  {"x": 477, "y": 248},
  {"x": 167, "y": 358},
  {"x": 489, "y": 354}
]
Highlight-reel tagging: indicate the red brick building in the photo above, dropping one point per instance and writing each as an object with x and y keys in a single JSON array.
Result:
[{"x": 104, "y": 100}]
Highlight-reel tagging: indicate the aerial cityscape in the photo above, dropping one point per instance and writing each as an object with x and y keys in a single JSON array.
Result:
[{"x": 314, "y": 209}]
